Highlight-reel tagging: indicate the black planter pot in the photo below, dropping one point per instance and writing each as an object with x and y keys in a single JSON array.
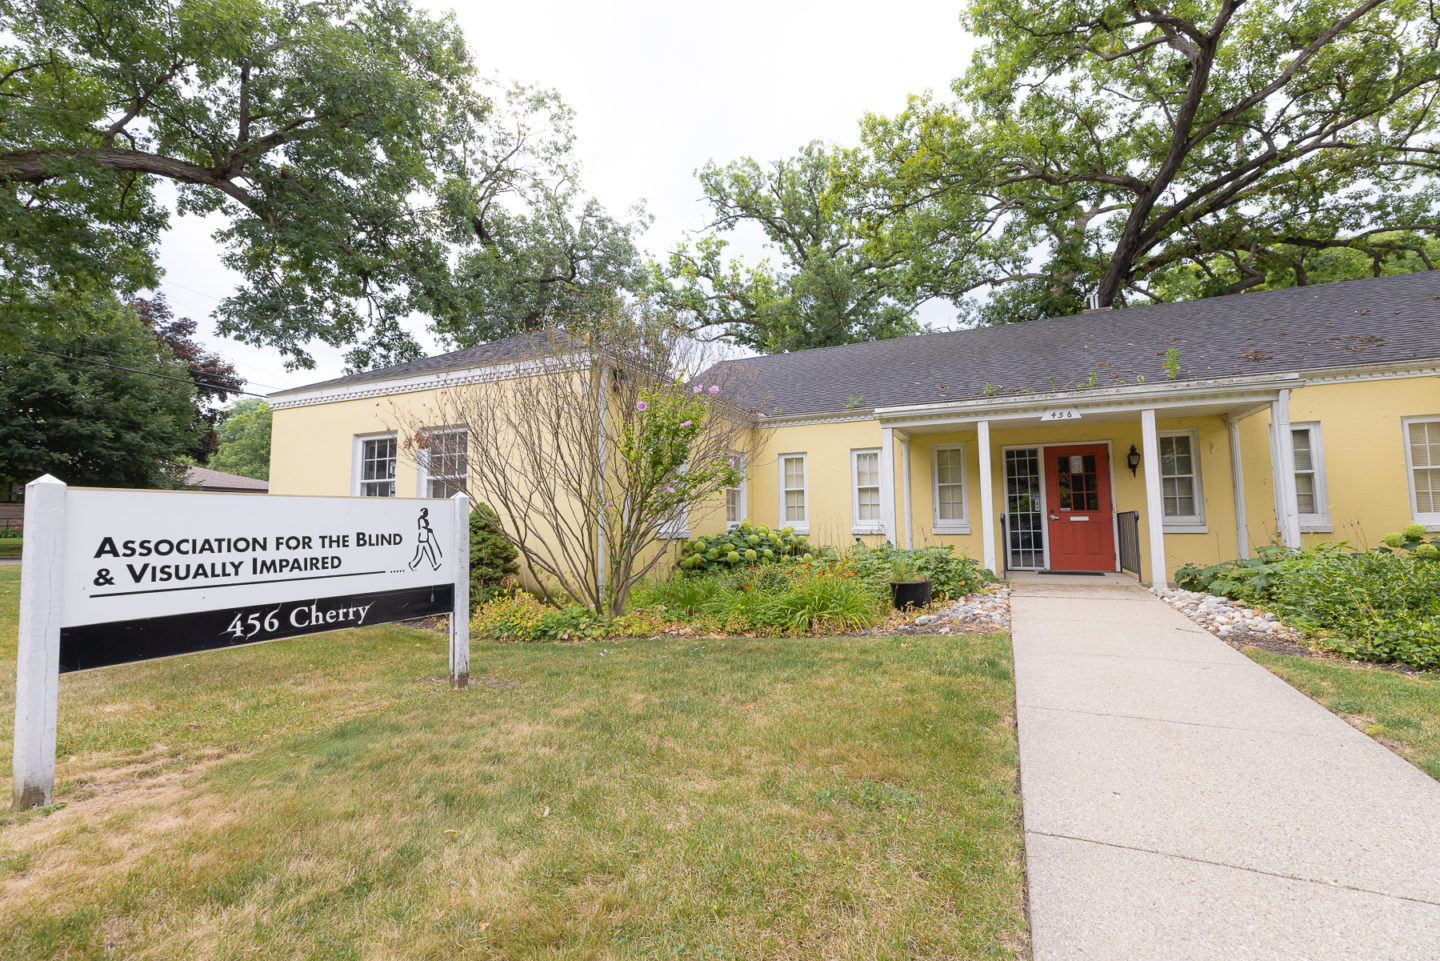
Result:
[{"x": 910, "y": 593}]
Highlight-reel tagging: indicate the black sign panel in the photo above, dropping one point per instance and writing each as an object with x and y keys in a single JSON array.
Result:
[{"x": 119, "y": 642}]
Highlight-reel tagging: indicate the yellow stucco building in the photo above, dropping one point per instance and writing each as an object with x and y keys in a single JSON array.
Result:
[{"x": 1137, "y": 439}]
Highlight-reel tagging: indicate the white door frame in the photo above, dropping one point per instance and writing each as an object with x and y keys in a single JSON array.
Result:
[{"x": 1045, "y": 497}]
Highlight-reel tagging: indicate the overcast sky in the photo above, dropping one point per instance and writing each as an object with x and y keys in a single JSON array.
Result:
[{"x": 658, "y": 88}]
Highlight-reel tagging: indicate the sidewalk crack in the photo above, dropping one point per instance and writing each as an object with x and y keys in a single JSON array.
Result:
[{"x": 1236, "y": 867}]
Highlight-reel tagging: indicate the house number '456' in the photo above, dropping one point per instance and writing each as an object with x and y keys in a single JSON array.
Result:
[{"x": 248, "y": 625}]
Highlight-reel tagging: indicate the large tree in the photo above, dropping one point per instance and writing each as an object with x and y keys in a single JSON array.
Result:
[
  {"x": 350, "y": 146},
  {"x": 109, "y": 408},
  {"x": 1107, "y": 149},
  {"x": 832, "y": 285},
  {"x": 244, "y": 439},
  {"x": 1125, "y": 152},
  {"x": 216, "y": 379}
]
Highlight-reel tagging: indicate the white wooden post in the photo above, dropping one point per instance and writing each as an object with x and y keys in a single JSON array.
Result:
[
  {"x": 887, "y": 483},
  {"x": 460, "y": 617},
  {"x": 1154, "y": 503},
  {"x": 905, "y": 490},
  {"x": 987, "y": 496},
  {"x": 1237, "y": 486},
  {"x": 37, "y": 667},
  {"x": 1282, "y": 469}
]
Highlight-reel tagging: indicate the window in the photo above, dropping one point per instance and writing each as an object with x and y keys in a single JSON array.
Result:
[
  {"x": 446, "y": 462},
  {"x": 377, "y": 467},
  {"x": 735, "y": 497},
  {"x": 793, "y": 508},
  {"x": 1310, "y": 496},
  {"x": 1184, "y": 502},
  {"x": 865, "y": 492},
  {"x": 947, "y": 472},
  {"x": 1422, "y": 462}
]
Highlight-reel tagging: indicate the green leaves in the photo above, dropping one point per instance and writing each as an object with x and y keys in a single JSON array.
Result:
[
  {"x": 351, "y": 148},
  {"x": 244, "y": 436}
]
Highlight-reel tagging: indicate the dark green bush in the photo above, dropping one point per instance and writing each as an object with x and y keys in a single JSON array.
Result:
[
  {"x": 492, "y": 557},
  {"x": 1380, "y": 605},
  {"x": 744, "y": 545},
  {"x": 9, "y": 532},
  {"x": 950, "y": 575}
]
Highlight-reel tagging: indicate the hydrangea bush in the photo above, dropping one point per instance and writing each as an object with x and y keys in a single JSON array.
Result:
[{"x": 745, "y": 545}]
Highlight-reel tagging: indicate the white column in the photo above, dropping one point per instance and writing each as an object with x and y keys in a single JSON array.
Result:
[
  {"x": 1154, "y": 504},
  {"x": 887, "y": 483},
  {"x": 1237, "y": 486},
  {"x": 37, "y": 666},
  {"x": 987, "y": 496},
  {"x": 905, "y": 490},
  {"x": 460, "y": 616},
  {"x": 1282, "y": 469}
]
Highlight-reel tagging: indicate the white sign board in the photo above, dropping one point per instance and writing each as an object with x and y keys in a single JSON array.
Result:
[
  {"x": 111, "y": 576},
  {"x": 1061, "y": 413}
]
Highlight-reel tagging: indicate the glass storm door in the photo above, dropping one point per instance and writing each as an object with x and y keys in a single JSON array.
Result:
[
  {"x": 1025, "y": 529},
  {"x": 1080, "y": 516}
]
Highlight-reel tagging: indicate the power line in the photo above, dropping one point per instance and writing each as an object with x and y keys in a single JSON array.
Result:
[{"x": 147, "y": 373}]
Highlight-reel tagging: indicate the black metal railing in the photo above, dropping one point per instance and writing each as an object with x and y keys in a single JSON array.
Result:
[{"x": 1128, "y": 523}]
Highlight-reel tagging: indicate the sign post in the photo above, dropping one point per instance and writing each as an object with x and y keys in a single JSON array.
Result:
[
  {"x": 113, "y": 576},
  {"x": 37, "y": 666},
  {"x": 460, "y": 616}
]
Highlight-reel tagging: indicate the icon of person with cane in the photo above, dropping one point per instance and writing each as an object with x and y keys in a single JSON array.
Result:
[{"x": 425, "y": 543}]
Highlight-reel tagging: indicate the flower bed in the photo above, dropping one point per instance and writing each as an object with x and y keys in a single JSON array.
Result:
[
  {"x": 827, "y": 594},
  {"x": 1378, "y": 605}
]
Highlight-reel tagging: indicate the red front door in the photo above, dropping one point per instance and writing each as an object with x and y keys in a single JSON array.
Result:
[{"x": 1080, "y": 524}]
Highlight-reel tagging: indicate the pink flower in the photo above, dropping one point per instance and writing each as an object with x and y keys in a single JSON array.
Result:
[
  {"x": 714, "y": 390},
  {"x": 686, "y": 424},
  {"x": 669, "y": 490},
  {"x": 699, "y": 389},
  {"x": 641, "y": 405},
  {"x": 731, "y": 462}
]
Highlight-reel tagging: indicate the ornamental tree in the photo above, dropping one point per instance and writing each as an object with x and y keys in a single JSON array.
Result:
[{"x": 595, "y": 450}]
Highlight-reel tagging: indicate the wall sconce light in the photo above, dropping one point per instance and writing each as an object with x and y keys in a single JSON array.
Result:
[{"x": 1133, "y": 459}]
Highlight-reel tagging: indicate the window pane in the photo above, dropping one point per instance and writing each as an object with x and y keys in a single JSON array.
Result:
[
  {"x": 1305, "y": 493},
  {"x": 1420, "y": 450},
  {"x": 794, "y": 472},
  {"x": 867, "y": 469},
  {"x": 951, "y": 504},
  {"x": 795, "y": 505},
  {"x": 949, "y": 466},
  {"x": 869, "y": 498}
]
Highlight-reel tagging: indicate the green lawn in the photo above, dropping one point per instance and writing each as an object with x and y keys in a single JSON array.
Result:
[
  {"x": 324, "y": 797},
  {"x": 10, "y": 546},
  {"x": 1401, "y": 709}
]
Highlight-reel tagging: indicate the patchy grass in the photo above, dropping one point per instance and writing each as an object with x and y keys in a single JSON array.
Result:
[
  {"x": 10, "y": 546},
  {"x": 1402, "y": 710},
  {"x": 325, "y": 797}
]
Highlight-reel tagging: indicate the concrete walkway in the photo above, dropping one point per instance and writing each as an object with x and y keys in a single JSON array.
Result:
[{"x": 1181, "y": 802}]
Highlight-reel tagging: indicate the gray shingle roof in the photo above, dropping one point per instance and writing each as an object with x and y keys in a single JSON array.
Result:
[
  {"x": 207, "y": 479},
  {"x": 1381, "y": 319},
  {"x": 516, "y": 347}
]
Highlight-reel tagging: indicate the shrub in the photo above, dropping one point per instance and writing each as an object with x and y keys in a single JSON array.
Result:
[
  {"x": 10, "y": 532},
  {"x": 1380, "y": 605},
  {"x": 745, "y": 544},
  {"x": 950, "y": 575},
  {"x": 492, "y": 557},
  {"x": 509, "y": 615},
  {"x": 516, "y": 615},
  {"x": 795, "y": 598}
]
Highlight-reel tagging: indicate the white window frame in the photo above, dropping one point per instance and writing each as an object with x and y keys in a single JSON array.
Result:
[
  {"x": 740, "y": 489},
  {"x": 801, "y": 527},
  {"x": 425, "y": 477},
  {"x": 357, "y": 463},
  {"x": 1430, "y": 519},
  {"x": 1192, "y": 523},
  {"x": 949, "y": 525},
  {"x": 857, "y": 526},
  {"x": 1318, "y": 522}
]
